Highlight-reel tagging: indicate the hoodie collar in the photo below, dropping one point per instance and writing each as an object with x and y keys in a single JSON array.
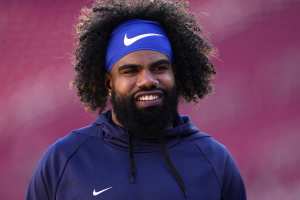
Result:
[{"x": 119, "y": 137}]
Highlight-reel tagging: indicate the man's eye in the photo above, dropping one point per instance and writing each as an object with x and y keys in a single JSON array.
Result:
[
  {"x": 161, "y": 68},
  {"x": 129, "y": 71}
]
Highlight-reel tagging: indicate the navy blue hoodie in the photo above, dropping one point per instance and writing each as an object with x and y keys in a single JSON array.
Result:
[{"x": 100, "y": 161}]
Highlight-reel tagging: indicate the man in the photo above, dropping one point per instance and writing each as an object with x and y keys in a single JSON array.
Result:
[{"x": 144, "y": 56}]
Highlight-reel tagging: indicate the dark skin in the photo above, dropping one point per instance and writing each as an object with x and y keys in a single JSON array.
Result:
[{"x": 141, "y": 74}]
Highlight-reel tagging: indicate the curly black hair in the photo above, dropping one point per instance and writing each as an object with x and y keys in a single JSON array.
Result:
[{"x": 192, "y": 68}]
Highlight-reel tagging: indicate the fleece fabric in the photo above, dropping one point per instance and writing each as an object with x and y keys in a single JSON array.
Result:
[{"x": 92, "y": 163}]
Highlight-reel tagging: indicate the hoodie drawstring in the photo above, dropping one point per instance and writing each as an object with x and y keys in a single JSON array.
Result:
[
  {"x": 169, "y": 163},
  {"x": 172, "y": 167},
  {"x": 132, "y": 167}
]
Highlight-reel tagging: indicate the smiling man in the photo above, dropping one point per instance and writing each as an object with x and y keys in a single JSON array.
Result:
[
  {"x": 143, "y": 93},
  {"x": 143, "y": 57}
]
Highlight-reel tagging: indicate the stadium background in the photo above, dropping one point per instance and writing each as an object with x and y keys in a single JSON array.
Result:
[{"x": 254, "y": 109}]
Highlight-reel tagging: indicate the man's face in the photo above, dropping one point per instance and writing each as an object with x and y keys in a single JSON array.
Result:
[{"x": 143, "y": 92}]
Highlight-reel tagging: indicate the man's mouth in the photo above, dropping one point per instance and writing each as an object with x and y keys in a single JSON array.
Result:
[{"x": 149, "y": 98}]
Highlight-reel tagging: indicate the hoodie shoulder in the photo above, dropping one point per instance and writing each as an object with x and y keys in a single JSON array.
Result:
[
  {"x": 72, "y": 141},
  {"x": 224, "y": 167},
  {"x": 50, "y": 169},
  {"x": 210, "y": 147}
]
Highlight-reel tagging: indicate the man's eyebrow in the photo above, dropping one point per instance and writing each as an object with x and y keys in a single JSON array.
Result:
[
  {"x": 126, "y": 66},
  {"x": 160, "y": 62}
]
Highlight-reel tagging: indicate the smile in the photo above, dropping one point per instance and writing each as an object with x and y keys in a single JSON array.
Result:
[{"x": 148, "y": 97}]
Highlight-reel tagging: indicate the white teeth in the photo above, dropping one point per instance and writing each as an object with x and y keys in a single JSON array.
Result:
[{"x": 148, "y": 98}]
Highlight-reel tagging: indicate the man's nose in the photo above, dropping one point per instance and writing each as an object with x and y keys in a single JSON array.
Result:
[{"x": 147, "y": 79}]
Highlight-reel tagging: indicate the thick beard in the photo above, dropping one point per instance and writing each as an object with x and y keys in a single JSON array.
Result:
[{"x": 147, "y": 122}]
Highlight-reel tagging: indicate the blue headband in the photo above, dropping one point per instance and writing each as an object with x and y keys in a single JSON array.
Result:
[{"x": 135, "y": 35}]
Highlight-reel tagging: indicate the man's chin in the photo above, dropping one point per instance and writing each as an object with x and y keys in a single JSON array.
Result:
[
  {"x": 145, "y": 118},
  {"x": 150, "y": 112},
  {"x": 148, "y": 108}
]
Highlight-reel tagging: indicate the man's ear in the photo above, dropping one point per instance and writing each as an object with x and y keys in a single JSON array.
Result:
[{"x": 108, "y": 82}]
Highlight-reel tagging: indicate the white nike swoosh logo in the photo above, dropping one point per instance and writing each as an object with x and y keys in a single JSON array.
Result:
[
  {"x": 101, "y": 191},
  {"x": 130, "y": 41}
]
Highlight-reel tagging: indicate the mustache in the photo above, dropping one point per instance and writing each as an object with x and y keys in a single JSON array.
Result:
[{"x": 149, "y": 89}]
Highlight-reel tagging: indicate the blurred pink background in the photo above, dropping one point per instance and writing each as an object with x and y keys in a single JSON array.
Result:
[{"x": 254, "y": 109}]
